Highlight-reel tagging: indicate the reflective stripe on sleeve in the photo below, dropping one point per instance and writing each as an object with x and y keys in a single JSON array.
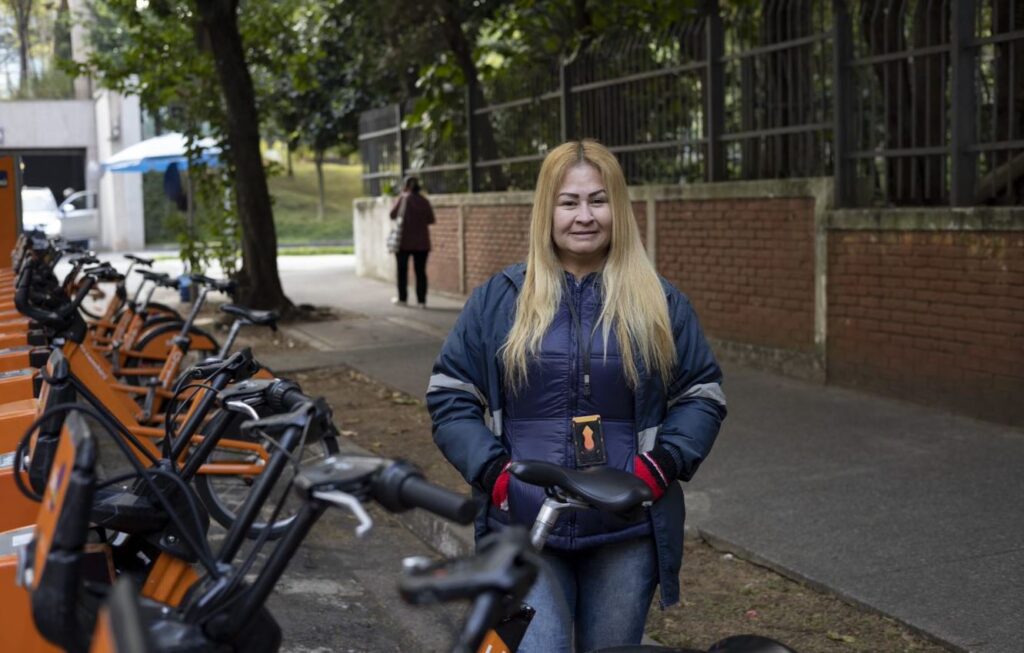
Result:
[
  {"x": 711, "y": 391},
  {"x": 496, "y": 423},
  {"x": 645, "y": 439},
  {"x": 445, "y": 382}
]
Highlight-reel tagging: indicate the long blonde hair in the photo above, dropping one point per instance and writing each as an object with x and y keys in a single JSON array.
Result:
[{"x": 633, "y": 299}]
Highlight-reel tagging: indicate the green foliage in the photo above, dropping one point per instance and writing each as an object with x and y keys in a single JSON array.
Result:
[
  {"x": 151, "y": 50},
  {"x": 157, "y": 209}
]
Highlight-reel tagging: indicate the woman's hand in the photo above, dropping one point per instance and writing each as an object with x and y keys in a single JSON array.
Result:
[
  {"x": 499, "y": 494},
  {"x": 495, "y": 481},
  {"x": 656, "y": 468}
]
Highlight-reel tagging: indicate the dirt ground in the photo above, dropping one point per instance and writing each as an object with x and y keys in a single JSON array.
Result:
[{"x": 721, "y": 594}]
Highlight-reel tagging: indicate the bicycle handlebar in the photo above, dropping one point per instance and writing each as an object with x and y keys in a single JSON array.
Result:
[
  {"x": 395, "y": 484},
  {"x": 418, "y": 492},
  {"x": 399, "y": 486},
  {"x": 57, "y": 318}
]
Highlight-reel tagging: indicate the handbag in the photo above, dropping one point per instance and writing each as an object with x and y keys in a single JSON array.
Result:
[{"x": 395, "y": 237}]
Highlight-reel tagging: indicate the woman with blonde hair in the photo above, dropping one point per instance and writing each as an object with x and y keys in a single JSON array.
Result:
[{"x": 585, "y": 328}]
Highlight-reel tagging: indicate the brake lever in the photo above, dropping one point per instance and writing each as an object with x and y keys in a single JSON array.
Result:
[
  {"x": 342, "y": 500},
  {"x": 243, "y": 408}
]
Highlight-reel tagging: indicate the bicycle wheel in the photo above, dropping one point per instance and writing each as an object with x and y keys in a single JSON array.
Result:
[
  {"x": 154, "y": 344},
  {"x": 223, "y": 495}
]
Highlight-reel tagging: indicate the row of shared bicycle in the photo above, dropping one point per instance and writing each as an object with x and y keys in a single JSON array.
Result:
[{"x": 127, "y": 431}]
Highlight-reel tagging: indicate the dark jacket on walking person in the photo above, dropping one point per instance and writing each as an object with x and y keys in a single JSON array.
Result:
[{"x": 417, "y": 216}]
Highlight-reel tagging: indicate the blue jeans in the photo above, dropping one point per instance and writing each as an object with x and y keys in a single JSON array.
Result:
[{"x": 601, "y": 595}]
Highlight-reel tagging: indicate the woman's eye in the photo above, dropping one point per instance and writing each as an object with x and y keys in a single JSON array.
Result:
[
  {"x": 599, "y": 200},
  {"x": 567, "y": 204}
]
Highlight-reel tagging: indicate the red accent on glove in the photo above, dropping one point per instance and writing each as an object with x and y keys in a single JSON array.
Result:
[
  {"x": 499, "y": 493},
  {"x": 641, "y": 471}
]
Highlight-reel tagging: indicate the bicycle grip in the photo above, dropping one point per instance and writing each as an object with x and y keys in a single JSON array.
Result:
[{"x": 417, "y": 492}]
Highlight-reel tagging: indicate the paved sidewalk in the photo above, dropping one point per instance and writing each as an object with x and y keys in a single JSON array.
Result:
[{"x": 912, "y": 512}]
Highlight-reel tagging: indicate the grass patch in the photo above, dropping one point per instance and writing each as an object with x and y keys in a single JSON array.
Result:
[
  {"x": 315, "y": 251},
  {"x": 295, "y": 200}
]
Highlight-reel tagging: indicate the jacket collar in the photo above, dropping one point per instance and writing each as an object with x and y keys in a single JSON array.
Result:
[{"x": 516, "y": 274}]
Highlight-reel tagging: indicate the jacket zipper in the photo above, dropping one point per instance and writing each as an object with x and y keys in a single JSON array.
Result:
[{"x": 574, "y": 339}]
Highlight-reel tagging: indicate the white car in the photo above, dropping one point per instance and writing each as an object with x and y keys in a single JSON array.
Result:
[
  {"x": 80, "y": 219},
  {"x": 76, "y": 219},
  {"x": 39, "y": 211}
]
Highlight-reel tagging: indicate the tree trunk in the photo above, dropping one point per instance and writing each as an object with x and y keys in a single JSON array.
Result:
[
  {"x": 462, "y": 48},
  {"x": 288, "y": 150},
  {"x": 62, "y": 32},
  {"x": 319, "y": 159},
  {"x": 259, "y": 283},
  {"x": 22, "y": 15}
]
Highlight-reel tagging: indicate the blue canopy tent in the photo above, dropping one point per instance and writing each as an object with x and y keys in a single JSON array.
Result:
[
  {"x": 156, "y": 154},
  {"x": 167, "y": 154}
]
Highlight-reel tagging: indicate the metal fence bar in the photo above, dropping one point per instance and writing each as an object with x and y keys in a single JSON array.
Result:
[
  {"x": 777, "y": 47},
  {"x": 714, "y": 92},
  {"x": 403, "y": 153},
  {"x": 1003, "y": 37},
  {"x": 511, "y": 104},
  {"x": 843, "y": 171},
  {"x": 472, "y": 180},
  {"x": 566, "y": 124},
  {"x": 906, "y": 53},
  {"x": 963, "y": 104},
  {"x": 776, "y": 131},
  {"x": 636, "y": 77},
  {"x": 511, "y": 159},
  {"x": 390, "y": 131}
]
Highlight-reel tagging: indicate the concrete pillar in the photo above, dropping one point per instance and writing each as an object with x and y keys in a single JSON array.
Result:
[{"x": 118, "y": 125}]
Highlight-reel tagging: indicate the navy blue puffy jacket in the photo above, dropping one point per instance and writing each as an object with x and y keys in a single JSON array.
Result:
[
  {"x": 537, "y": 423},
  {"x": 467, "y": 403}
]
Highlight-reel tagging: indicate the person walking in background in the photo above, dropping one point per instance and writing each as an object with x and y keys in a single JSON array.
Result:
[
  {"x": 584, "y": 338},
  {"x": 416, "y": 214}
]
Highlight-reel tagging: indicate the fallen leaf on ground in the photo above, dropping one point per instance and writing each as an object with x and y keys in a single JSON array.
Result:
[
  {"x": 836, "y": 637},
  {"x": 402, "y": 399}
]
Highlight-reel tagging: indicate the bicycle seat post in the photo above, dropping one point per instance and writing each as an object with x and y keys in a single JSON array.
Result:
[
  {"x": 550, "y": 512},
  {"x": 229, "y": 342},
  {"x": 194, "y": 313},
  {"x": 139, "y": 307}
]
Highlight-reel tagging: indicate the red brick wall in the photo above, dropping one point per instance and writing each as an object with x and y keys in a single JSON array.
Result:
[
  {"x": 936, "y": 317},
  {"x": 443, "y": 263},
  {"x": 496, "y": 236},
  {"x": 747, "y": 266}
]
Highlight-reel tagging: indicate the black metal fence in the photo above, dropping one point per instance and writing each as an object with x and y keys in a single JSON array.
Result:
[{"x": 904, "y": 102}]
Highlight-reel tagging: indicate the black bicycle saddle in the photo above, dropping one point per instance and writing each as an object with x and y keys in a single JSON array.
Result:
[
  {"x": 608, "y": 489},
  {"x": 260, "y": 318},
  {"x": 140, "y": 260},
  {"x": 159, "y": 278}
]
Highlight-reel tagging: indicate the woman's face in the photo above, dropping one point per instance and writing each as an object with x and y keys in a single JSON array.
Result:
[{"x": 582, "y": 226}]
